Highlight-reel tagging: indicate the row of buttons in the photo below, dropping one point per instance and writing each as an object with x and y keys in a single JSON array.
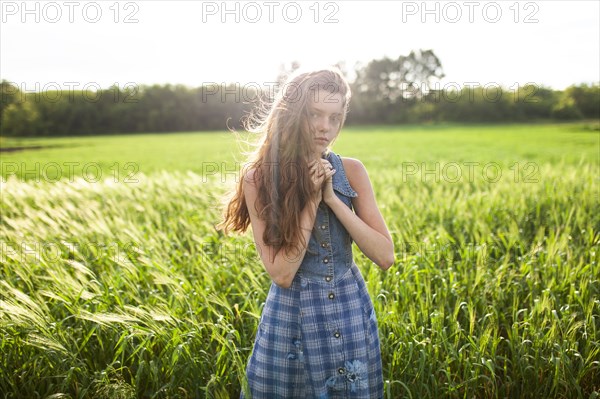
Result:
[
  {"x": 325, "y": 260},
  {"x": 331, "y": 295}
]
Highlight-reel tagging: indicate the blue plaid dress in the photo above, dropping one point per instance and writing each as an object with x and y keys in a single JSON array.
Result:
[{"x": 319, "y": 338}]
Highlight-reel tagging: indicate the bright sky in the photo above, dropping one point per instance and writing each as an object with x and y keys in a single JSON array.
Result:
[{"x": 550, "y": 43}]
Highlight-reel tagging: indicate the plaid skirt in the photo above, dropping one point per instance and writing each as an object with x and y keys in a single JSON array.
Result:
[{"x": 317, "y": 340}]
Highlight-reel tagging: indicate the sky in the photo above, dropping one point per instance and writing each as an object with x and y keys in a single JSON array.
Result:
[{"x": 87, "y": 44}]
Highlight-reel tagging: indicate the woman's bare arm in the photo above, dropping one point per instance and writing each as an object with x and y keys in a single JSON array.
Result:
[
  {"x": 366, "y": 227},
  {"x": 282, "y": 267}
]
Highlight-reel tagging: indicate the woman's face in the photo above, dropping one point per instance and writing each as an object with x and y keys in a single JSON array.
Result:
[{"x": 325, "y": 112}]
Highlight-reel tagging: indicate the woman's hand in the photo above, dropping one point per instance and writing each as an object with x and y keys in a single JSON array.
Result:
[
  {"x": 321, "y": 172},
  {"x": 316, "y": 177},
  {"x": 327, "y": 187}
]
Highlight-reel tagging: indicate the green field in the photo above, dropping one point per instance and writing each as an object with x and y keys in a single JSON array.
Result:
[{"x": 115, "y": 284}]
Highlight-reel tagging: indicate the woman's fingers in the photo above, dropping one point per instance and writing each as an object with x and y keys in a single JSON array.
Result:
[
  {"x": 324, "y": 164},
  {"x": 316, "y": 174},
  {"x": 320, "y": 172}
]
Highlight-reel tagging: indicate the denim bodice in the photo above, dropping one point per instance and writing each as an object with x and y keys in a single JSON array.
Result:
[{"x": 329, "y": 253}]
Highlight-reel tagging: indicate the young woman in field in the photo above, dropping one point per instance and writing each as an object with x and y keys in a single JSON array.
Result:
[{"x": 318, "y": 335}]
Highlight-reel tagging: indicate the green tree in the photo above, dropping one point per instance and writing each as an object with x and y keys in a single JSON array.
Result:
[
  {"x": 586, "y": 99},
  {"x": 9, "y": 94}
]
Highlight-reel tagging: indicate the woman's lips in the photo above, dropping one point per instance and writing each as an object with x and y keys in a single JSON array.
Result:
[{"x": 322, "y": 140}]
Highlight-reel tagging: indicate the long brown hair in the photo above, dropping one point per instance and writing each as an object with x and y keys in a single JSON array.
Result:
[{"x": 281, "y": 158}]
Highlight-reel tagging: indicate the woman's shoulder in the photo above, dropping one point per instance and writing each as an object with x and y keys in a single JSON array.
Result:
[
  {"x": 355, "y": 172},
  {"x": 249, "y": 179},
  {"x": 353, "y": 166},
  {"x": 352, "y": 163}
]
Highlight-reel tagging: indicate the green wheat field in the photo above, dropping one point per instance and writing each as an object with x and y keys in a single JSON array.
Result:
[{"x": 114, "y": 282}]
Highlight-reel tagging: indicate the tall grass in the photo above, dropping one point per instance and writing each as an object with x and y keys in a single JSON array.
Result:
[{"x": 127, "y": 290}]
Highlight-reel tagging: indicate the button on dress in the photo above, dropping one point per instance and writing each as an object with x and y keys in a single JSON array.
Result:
[{"x": 319, "y": 338}]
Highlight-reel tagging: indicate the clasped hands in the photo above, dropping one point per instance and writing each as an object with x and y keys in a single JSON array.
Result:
[{"x": 321, "y": 172}]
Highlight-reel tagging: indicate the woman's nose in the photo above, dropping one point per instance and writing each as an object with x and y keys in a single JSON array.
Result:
[{"x": 323, "y": 124}]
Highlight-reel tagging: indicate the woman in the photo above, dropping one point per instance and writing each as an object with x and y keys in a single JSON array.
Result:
[{"x": 318, "y": 335}]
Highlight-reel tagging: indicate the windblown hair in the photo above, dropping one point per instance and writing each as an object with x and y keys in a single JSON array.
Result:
[{"x": 281, "y": 158}]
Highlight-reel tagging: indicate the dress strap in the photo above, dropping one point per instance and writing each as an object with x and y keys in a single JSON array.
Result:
[{"x": 340, "y": 180}]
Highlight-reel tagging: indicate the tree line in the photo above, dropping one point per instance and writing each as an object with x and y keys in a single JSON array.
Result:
[{"x": 406, "y": 89}]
